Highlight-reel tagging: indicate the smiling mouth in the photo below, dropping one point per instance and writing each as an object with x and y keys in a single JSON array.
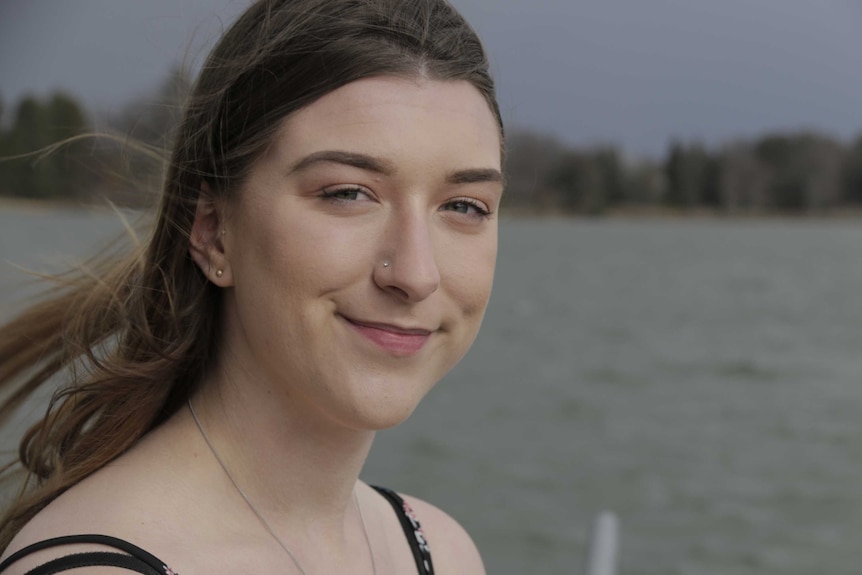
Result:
[{"x": 396, "y": 340}]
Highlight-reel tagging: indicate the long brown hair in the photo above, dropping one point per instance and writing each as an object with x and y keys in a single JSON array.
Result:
[{"x": 133, "y": 336}]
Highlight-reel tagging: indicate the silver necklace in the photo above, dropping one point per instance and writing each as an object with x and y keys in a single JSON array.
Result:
[{"x": 257, "y": 513}]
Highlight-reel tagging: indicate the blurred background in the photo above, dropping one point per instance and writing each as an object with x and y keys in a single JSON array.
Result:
[{"x": 675, "y": 329}]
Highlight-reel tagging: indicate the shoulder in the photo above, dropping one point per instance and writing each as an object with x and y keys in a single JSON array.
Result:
[
  {"x": 71, "y": 553},
  {"x": 124, "y": 500},
  {"x": 452, "y": 549}
]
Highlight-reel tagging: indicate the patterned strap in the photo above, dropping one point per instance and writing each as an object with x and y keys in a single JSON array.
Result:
[
  {"x": 412, "y": 529},
  {"x": 134, "y": 558}
]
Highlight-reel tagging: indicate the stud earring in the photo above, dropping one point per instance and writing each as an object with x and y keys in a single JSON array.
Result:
[
  {"x": 386, "y": 264},
  {"x": 219, "y": 273}
]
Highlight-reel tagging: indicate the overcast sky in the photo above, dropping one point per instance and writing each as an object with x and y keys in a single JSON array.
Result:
[{"x": 635, "y": 73}]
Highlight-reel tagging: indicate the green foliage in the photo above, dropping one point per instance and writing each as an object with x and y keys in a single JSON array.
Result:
[
  {"x": 147, "y": 122},
  {"x": 529, "y": 157},
  {"x": 37, "y": 124},
  {"x": 41, "y": 158},
  {"x": 783, "y": 155},
  {"x": 804, "y": 170},
  {"x": 692, "y": 175},
  {"x": 575, "y": 181},
  {"x": 800, "y": 172},
  {"x": 852, "y": 174},
  {"x": 587, "y": 182},
  {"x": 151, "y": 119}
]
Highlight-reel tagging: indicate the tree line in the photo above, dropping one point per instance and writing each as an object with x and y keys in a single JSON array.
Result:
[
  {"x": 798, "y": 172},
  {"x": 35, "y": 125},
  {"x": 51, "y": 149}
]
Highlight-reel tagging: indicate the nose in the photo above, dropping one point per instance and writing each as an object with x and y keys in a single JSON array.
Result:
[{"x": 408, "y": 266}]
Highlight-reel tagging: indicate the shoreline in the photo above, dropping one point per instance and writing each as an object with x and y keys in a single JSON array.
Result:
[
  {"x": 663, "y": 213},
  {"x": 34, "y": 206}
]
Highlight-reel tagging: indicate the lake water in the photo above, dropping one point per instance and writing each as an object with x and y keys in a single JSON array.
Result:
[{"x": 702, "y": 379}]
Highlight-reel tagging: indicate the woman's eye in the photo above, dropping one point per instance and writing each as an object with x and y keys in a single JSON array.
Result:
[
  {"x": 346, "y": 194},
  {"x": 468, "y": 207}
]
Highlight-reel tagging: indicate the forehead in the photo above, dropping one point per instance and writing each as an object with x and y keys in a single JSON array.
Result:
[{"x": 397, "y": 118}]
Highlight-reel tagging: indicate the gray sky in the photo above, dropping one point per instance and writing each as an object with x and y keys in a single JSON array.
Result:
[{"x": 635, "y": 73}]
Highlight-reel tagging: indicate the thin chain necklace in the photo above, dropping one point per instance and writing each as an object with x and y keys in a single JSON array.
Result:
[{"x": 257, "y": 513}]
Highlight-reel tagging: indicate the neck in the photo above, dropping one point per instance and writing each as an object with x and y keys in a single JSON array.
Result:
[{"x": 296, "y": 468}]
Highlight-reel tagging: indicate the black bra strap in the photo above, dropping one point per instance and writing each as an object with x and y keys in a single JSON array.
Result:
[
  {"x": 412, "y": 529},
  {"x": 134, "y": 558}
]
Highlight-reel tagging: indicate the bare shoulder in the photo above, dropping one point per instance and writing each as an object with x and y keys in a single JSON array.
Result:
[
  {"x": 452, "y": 549},
  {"x": 128, "y": 500},
  {"x": 75, "y": 514},
  {"x": 39, "y": 532}
]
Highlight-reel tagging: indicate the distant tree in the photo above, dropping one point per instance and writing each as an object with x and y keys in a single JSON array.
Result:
[
  {"x": 529, "y": 157},
  {"x": 73, "y": 177},
  {"x": 744, "y": 179},
  {"x": 148, "y": 122},
  {"x": 31, "y": 127},
  {"x": 645, "y": 183},
  {"x": 65, "y": 117},
  {"x": 805, "y": 170},
  {"x": 577, "y": 183},
  {"x": 783, "y": 155},
  {"x": 4, "y": 140},
  {"x": 711, "y": 190},
  {"x": 30, "y": 131},
  {"x": 852, "y": 174},
  {"x": 35, "y": 126},
  {"x": 612, "y": 173},
  {"x": 826, "y": 158},
  {"x": 692, "y": 175},
  {"x": 151, "y": 119}
]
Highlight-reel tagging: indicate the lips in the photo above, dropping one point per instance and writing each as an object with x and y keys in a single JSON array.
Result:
[{"x": 397, "y": 340}]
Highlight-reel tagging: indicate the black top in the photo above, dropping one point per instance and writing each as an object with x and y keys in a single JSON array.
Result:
[{"x": 133, "y": 558}]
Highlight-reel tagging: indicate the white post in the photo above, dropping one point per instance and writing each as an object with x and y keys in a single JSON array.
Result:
[{"x": 604, "y": 545}]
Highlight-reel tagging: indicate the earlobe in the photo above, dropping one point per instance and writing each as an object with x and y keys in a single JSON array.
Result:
[{"x": 207, "y": 240}]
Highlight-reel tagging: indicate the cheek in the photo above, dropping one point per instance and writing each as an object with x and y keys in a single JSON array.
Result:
[
  {"x": 295, "y": 250},
  {"x": 473, "y": 277}
]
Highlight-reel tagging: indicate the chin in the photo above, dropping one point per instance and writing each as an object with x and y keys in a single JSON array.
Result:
[
  {"x": 375, "y": 418},
  {"x": 380, "y": 422},
  {"x": 384, "y": 405}
]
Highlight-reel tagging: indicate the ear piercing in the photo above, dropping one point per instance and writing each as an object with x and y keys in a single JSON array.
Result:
[{"x": 386, "y": 264}]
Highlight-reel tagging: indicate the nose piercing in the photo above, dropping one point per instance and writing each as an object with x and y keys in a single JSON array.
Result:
[{"x": 386, "y": 264}]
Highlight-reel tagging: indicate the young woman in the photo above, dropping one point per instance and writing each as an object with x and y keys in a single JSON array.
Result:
[{"x": 323, "y": 253}]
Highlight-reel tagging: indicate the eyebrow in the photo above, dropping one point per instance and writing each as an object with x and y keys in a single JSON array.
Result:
[
  {"x": 361, "y": 161},
  {"x": 474, "y": 176},
  {"x": 386, "y": 168}
]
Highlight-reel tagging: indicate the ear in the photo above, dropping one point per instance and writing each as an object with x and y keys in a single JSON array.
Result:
[{"x": 207, "y": 242}]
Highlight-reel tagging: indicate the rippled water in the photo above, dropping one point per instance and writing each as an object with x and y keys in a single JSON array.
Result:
[{"x": 703, "y": 379}]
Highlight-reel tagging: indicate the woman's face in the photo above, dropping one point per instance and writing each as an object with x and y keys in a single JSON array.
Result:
[{"x": 362, "y": 247}]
